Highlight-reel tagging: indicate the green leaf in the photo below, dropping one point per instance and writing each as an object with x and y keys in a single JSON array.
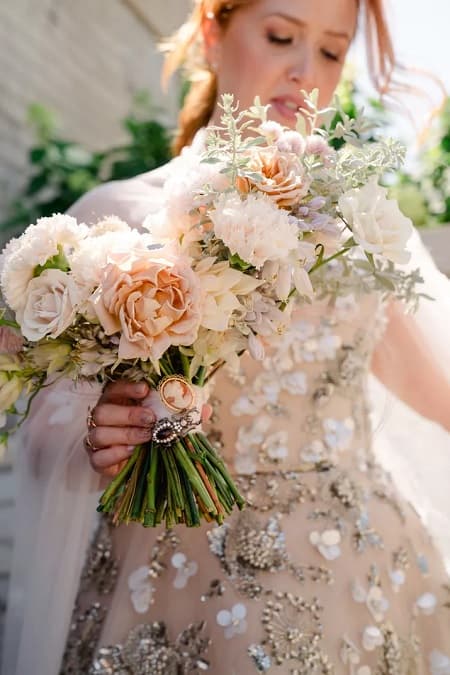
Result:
[
  {"x": 237, "y": 263},
  {"x": 57, "y": 262},
  {"x": 37, "y": 155}
]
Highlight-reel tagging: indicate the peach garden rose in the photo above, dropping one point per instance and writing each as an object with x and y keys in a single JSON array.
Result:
[
  {"x": 282, "y": 177},
  {"x": 152, "y": 301}
]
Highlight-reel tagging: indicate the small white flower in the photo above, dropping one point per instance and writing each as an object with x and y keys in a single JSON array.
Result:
[
  {"x": 426, "y": 603},
  {"x": 439, "y": 663},
  {"x": 376, "y": 222},
  {"x": 376, "y": 602},
  {"x": 276, "y": 446},
  {"x": 185, "y": 569},
  {"x": 295, "y": 383},
  {"x": 313, "y": 452},
  {"x": 249, "y": 440},
  {"x": 234, "y": 622},
  {"x": 372, "y": 638},
  {"x": 338, "y": 433},
  {"x": 327, "y": 345},
  {"x": 327, "y": 543},
  {"x": 398, "y": 578},
  {"x": 141, "y": 589}
]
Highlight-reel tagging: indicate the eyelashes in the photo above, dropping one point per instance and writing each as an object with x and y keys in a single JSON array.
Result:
[
  {"x": 330, "y": 55},
  {"x": 281, "y": 41},
  {"x": 276, "y": 39}
]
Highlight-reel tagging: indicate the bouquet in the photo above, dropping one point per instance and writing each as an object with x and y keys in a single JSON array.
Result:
[{"x": 246, "y": 225}]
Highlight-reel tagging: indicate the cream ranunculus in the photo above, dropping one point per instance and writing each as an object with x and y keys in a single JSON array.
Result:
[
  {"x": 52, "y": 300},
  {"x": 222, "y": 286},
  {"x": 153, "y": 302},
  {"x": 377, "y": 223}
]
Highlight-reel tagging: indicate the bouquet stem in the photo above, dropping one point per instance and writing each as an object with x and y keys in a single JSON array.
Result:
[{"x": 183, "y": 482}]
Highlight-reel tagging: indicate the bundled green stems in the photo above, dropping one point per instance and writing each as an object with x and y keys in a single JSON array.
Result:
[{"x": 181, "y": 482}]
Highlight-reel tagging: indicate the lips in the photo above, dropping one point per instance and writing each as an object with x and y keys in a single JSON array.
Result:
[{"x": 287, "y": 106}]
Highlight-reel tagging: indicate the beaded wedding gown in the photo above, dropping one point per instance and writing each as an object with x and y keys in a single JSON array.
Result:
[{"x": 327, "y": 570}]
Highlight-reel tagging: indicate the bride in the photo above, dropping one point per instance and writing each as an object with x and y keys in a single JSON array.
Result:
[{"x": 328, "y": 569}]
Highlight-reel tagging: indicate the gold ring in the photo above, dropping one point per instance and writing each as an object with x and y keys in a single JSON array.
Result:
[
  {"x": 90, "y": 422},
  {"x": 89, "y": 445}
]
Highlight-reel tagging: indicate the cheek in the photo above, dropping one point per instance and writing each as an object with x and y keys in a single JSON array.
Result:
[
  {"x": 329, "y": 79},
  {"x": 244, "y": 74}
]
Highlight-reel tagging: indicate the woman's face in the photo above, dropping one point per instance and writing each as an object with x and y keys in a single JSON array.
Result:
[{"x": 275, "y": 48}]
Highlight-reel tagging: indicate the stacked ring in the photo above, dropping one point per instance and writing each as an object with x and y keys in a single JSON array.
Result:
[
  {"x": 88, "y": 444},
  {"x": 90, "y": 423}
]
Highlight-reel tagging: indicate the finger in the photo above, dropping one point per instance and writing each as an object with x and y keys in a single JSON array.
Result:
[
  {"x": 103, "y": 437},
  {"x": 105, "y": 459},
  {"x": 111, "y": 414},
  {"x": 207, "y": 412},
  {"x": 112, "y": 471},
  {"x": 124, "y": 390}
]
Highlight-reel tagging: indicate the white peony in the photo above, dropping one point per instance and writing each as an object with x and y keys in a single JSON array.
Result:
[
  {"x": 106, "y": 239},
  {"x": 190, "y": 185},
  {"x": 51, "y": 303},
  {"x": 221, "y": 287},
  {"x": 254, "y": 228},
  {"x": 377, "y": 223},
  {"x": 35, "y": 247}
]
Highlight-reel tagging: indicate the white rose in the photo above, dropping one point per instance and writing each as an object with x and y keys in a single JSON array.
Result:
[
  {"x": 377, "y": 223},
  {"x": 51, "y": 303}
]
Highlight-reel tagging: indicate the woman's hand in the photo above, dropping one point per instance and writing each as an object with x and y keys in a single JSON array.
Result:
[{"x": 119, "y": 422}]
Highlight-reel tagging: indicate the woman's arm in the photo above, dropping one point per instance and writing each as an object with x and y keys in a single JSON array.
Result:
[{"x": 404, "y": 364}]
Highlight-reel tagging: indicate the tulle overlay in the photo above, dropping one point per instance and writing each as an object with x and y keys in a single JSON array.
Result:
[{"x": 328, "y": 569}]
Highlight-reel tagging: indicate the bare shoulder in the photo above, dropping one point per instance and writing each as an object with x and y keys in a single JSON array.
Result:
[{"x": 132, "y": 199}]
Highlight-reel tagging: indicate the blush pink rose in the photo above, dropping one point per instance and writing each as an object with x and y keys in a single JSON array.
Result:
[{"x": 151, "y": 301}]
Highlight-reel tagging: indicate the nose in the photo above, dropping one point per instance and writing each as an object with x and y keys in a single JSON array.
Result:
[{"x": 302, "y": 71}]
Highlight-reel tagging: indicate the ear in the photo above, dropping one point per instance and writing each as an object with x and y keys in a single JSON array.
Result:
[{"x": 212, "y": 39}]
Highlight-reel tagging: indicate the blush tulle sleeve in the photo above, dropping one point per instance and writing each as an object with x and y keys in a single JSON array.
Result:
[{"x": 414, "y": 449}]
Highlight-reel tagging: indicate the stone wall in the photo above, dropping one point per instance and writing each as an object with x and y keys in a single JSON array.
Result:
[{"x": 82, "y": 59}]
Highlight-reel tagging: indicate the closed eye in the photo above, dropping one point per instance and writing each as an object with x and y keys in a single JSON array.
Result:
[
  {"x": 330, "y": 55},
  {"x": 276, "y": 39}
]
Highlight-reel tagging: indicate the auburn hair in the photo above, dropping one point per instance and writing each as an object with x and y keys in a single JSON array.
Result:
[{"x": 185, "y": 50}]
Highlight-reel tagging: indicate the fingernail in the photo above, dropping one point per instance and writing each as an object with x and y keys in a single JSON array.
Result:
[
  {"x": 130, "y": 449},
  {"x": 147, "y": 418},
  {"x": 141, "y": 388}
]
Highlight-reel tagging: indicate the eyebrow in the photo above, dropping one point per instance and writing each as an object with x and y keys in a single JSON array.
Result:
[{"x": 299, "y": 22}]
